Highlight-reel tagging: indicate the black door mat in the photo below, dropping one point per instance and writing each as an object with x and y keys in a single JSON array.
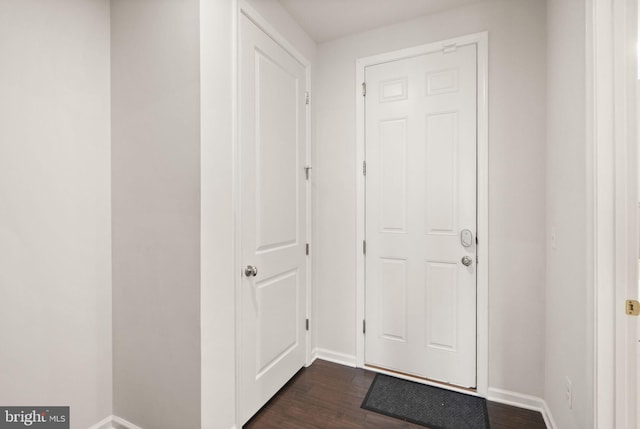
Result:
[{"x": 424, "y": 405}]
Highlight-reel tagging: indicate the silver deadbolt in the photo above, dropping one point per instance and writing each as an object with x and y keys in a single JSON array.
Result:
[
  {"x": 250, "y": 271},
  {"x": 466, "y": 261},
  {"x": 466, "y": 238}
]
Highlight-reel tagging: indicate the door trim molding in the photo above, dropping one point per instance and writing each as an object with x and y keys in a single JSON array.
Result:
[
  {"x": 612, "y": 165},
  {"x": 243, "y": 8},
  {"x": 482, "y": 339}
]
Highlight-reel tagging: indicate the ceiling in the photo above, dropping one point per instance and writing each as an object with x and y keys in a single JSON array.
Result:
[{"x": 325, "y": 20}]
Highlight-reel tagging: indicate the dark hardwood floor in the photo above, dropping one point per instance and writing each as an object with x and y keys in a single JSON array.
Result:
[{"x": 328, "y": 396}]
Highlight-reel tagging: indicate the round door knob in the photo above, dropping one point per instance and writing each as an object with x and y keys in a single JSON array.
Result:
[
  {"x": 251, "y": 271},
  {"x": 466, "y": 261}
]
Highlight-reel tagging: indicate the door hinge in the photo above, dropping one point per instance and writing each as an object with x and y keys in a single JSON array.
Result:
[
  {"x": 364, "y": 89},
  {"x": 364, "y": 327},
  {"x": 307, "y": 171},
  {"x": 307, "y": 249},
  {"x": 364, "y": 247},
  {"x": 632, "y": 307},
  {"x": 307, "y": 324},
  {"x": 364, "y": 168},
  {"x": 307, "y": 98}
]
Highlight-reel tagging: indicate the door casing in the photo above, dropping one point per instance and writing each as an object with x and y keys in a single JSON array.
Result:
[
  {"x": 612, "y": 253},
  {"x": 243, "y": 8},
  {"x": 481, "y": 40}
]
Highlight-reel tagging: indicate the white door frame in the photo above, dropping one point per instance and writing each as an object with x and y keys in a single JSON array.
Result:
[
  {"x": 481, "y": 40},
  {"x": 612, "y": 206},
  {"x": 244, "y": 9}
]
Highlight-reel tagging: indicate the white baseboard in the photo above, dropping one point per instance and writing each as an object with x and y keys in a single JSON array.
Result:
[
  {"x": 331, "y": 356},
  {"x": 114, "y": 422},
  {"x": 119, "y": 423},
  {"x": 520, "y": 400},
  {"x": 103, "y": 424},
  {"x": 548, "y": 417}
]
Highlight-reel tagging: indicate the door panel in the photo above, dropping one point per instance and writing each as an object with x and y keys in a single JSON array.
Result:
[
  {"x": 441, "y": 173},
  {"x": 420, "y": 144},
  {"x": 393, "y": 180},
  {"x": 272, "y": 132},
  {"x": 441, "y": 290},
  {"x": 393, "y": 305},
  {"x": 276, "y": 152}
]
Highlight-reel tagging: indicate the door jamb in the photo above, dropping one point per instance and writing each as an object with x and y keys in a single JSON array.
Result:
[
  {"x": 482, "y": 315},
  {"x": 242, "y": 7},
  {"x": 612, "y": 207}
]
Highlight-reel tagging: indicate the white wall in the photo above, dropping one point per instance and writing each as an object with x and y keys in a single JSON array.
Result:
[
  {"x": 568, "y": 324},
  {"x": 55, "y": 232},
  {"x": 156, "y": 212},
  {"x": 517, "y": 56},
  {"x": 217, "y": 274}
]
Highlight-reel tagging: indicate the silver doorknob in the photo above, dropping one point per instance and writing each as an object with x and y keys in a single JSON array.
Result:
[
  {"x": 466, "y": 261},
  {"x": 250, "y": 271}
]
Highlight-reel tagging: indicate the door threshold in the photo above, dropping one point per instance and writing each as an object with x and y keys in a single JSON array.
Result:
[{"x": 422, "y": 380}]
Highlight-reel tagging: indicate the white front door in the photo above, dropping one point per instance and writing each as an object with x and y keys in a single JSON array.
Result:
[
  {"x": 420, "y": 144},
  {"x": 272, "y": 133}
]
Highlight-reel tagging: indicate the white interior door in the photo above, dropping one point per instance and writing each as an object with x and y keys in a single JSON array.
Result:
[
  {"x": 272, "y": 132},
  {"x": 420, "y": 282}
]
